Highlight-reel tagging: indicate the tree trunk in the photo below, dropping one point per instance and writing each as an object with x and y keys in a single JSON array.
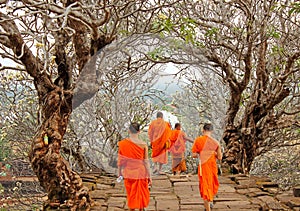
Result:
[
  {"x": 64, "y": 186},
  {"x": 240, "y": 151},
  {"x": 242, "y": 141},
  {"x": 233, "y": 153}
]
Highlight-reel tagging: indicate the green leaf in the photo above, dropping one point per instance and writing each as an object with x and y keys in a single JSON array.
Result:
[
  {"x": 277, "y": 69},
  {"x": 274, "y": 34},
  {"x": 212, "y": 32},
  {"x": 295, "y": 8},
  {"x": 277, "y": 50},
  {"x": 156, "y": 53}
]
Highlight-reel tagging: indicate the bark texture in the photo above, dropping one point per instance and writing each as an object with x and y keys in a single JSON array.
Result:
[{"x": 64, "y": 186}]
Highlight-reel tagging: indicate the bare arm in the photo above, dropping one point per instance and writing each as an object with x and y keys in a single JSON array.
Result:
[
  {"x": 147, "y": 164},
  {"x": 219, "y": 153},
  {"x": 195, "y": 155},
  {"x": 119, "y": 163},
  {"x": 186, "y": 138},
  {"x": 189, "y": 139},
  {"x": 119, "y": 170}
]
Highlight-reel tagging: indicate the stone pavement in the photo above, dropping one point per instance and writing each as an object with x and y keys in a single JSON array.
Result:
[{"x": 236, "y": 192}]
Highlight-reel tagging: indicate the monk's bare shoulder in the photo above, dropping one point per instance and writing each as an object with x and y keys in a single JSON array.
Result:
[
  {"x": 143, "y": 145},
  {"x": 216, "y": 142}
]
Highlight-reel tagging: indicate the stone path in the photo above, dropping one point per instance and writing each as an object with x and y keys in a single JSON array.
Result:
[{"x": 236, "y": 192}]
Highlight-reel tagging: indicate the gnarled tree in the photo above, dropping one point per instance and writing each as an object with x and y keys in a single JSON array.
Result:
[
  {"x": 53, "y": 41},
  {"x": 254, "y": 47}
]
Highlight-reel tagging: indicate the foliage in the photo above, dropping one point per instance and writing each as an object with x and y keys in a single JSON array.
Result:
[
  {"x": 5, "y": 148},
  {"x": 1, "y": 189},
  {"x": 252, "y": 46},
  {"x": 281, "y": 165},
  {"x": 124, "y": 96},
  {"x": 18, "y": 114},
  {"x": 202, "y": 100},
  {"x": 256, "y": 56}
]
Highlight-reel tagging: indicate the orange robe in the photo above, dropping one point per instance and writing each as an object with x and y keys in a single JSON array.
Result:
[
  {"x": 131, "y": 159},
  {"x": 159, "y": 133},
  {"x": 208, "y": 171},
  {"x": 177, "y": 150}
]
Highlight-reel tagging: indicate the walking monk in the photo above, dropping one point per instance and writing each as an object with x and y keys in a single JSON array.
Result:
[
  {"x": 178, "y": 139},
  {"x": 159, "y": 133},
  {"x": 133, "y": 165},
  {"x": 208, "y": 150}
]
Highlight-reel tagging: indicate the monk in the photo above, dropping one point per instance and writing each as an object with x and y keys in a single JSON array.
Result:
[
  {"x": 133, "y": 165},
  {"x": 208, "y": 150},
  {"x": 178, "y": 139},
  {"x": 159, "y": 133}
]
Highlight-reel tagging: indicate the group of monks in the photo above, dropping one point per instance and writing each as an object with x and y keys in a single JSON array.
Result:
[{"x": 134, "y": 165}]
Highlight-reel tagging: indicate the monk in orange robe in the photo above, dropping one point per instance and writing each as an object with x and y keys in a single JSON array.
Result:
[
  {"x": 208, "y": 150},
  {"x": 159, "y": 133},
  {"x": 177, "y": 149},
  {"x": 133, "y": 165}
]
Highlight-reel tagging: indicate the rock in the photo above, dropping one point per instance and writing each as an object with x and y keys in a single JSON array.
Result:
[
  {"x": 294, "y": 202},
  {"x": 90, "y": 185},
  {"x": 174, "y": 180},
  {"x": 167, "y": 205},
  {"x": 296, "y": 191},
  {"x": 267, "y": 184},
  {"x": 247, "y": 182},
  {"x": 269, "y": 203}
]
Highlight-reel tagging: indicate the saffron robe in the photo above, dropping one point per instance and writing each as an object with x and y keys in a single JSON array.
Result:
[
  {"x": 177, "y": 150},
  {"x": 208, "y": 171},
  {"x": 131, "y": 158},
  {"x": 159, "y": 133}
]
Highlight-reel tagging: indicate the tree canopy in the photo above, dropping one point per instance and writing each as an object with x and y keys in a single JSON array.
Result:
[{"x": 64, "y": 54}]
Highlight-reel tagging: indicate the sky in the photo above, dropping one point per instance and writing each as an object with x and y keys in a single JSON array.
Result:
[{"x": 167, "y": 81}]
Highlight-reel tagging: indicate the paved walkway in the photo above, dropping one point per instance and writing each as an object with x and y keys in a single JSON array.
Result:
[{"x": 236, "y": 192}]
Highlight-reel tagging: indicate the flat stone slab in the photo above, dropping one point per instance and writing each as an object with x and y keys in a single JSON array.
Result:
[
  {"x": 195, "y": 188},
  {"x": 191, "y": 201},
  {"x": 171, "y": 176},
  {"x": 168, "y": 196},
  {"x": 236, "y": 193},
  {"x": 187, "y": 183},
  {"x": 118, "y": 195},
  {"x": 192, "y": 207},
  {"x": 296, "y": 191},
  {"x": 237, "y": 205},
  {"x": 114, "y": 209},
  {"x": 181, "y": 189},
  {"x": 271, "y": 190},
  {"x": 187, "y": 193},
  {"x": 193, "y": 178},
  {"x": 161, "y": 184},
  {"x": 226, "y": 188},
  {"x": 247, "y": 182},
  {"x": 225, "y": 180},
  {"x": 102, "y": 186},
  {"x": 175, "y": 180},
  {"x": 221, "y": 199},
  {"x": 160, "y": 177},
  {"x": 167, "y": 205},
  {"x": 267, "y": 184},
  {"x": 270, "y": 203},
  {"x": 116, "y": 201},
  {"x": 157, "y": 193},
  {"x": 294, "y": 202},
  {"x": 192, "y": 196},
  {"x": 257, "y": 194},
  {"x": 260, "y": 179},
  {"x": 98, "y": 194}
]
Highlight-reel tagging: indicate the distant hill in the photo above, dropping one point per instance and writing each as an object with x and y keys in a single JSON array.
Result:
[{"x": 169, "y": 84}]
